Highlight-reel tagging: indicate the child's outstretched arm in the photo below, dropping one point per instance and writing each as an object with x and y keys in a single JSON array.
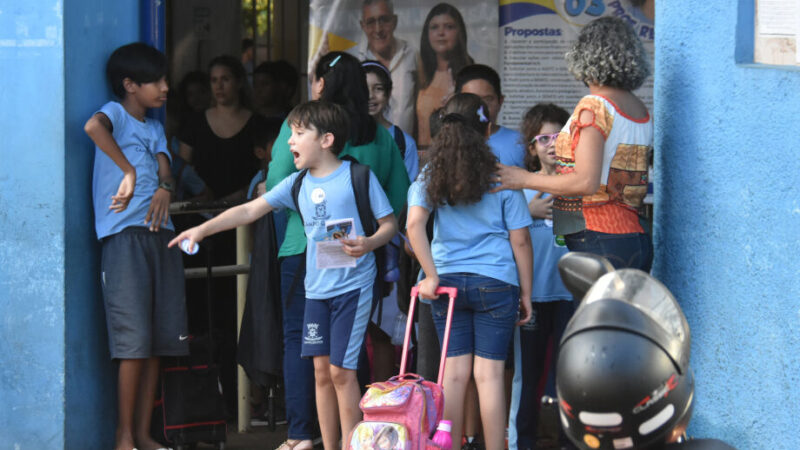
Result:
[
  {"x": 99, "y": 129},
  {"x": 520, "y": 240},
  {"x": 158, "y": 212},
  {"x": 387, "y": 228},
  {"x": 418, "y": 236},
  {"x": 232, "y": 218}
]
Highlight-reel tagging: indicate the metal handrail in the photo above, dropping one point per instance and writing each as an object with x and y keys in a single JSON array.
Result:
[{"x": 241, "y": 270}]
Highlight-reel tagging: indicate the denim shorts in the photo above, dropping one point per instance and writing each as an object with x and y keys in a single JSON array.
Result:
[
  {"x": 630, "y": 250},
  {"x": 484, "y": 315}
]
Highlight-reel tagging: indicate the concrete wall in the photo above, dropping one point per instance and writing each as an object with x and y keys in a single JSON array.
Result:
[
  {"x": 57, "y": 385},
  {"x": 92, "y": 30},
  {"x": 32, "y": 225},
  {"x": 727, "y": 219}
]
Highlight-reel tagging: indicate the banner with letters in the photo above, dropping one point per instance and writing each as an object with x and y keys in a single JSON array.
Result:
[{"x": 524, "y": 40}]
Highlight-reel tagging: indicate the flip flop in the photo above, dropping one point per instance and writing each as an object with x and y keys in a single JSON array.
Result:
[{"x": 288, "y": 445}]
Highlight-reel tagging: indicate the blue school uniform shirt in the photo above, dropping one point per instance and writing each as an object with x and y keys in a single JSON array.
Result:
[
  {"x": 547, "y": 250},
  {"x": 507, "y": 145},
  {"x": 474, "y": 238},
  {"x": 331, "y": 198},
  {"x": 140, "y": 142}
]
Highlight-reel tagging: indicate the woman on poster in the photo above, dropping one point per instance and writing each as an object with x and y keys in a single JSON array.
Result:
[{"x": 443, "y": 52}]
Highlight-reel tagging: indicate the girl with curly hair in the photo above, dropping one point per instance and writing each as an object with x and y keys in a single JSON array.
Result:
[
  {"x": 481, "y": 246},
  {"x": 602, "y": 152}
]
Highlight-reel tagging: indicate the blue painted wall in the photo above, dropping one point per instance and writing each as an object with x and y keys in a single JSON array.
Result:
[
  {"x": 92, "y": 30},
  {"x": 57, "y": 385},
  {"x": 32, "y": 225},
  {"x": 727, "y": 219}
]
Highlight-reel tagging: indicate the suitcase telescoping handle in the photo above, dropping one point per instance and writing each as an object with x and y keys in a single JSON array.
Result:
[{"x": 451, "y": 293}]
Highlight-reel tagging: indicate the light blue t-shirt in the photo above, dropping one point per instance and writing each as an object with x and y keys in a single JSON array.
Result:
[
  {"x": 411, "y": 156},
  {"x": 507, "y": 145},
  {"x": 139, "y": 142},
  {"x": 474, "y": 238},
  {"x": 547, "y": 250},
  {"x": 321, "y": 200}
]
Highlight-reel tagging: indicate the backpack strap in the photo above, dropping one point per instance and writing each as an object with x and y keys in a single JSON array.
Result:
[
  {"x": 298, "y": 183},
  {"x": 359, "y": 177},
  {"x": 400, "y": 140}
]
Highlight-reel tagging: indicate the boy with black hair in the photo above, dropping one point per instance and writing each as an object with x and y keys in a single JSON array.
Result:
[
  {"x": 142, "y": 280},
  {"x": 339, "y": 289},
  {"x": 484, "y": 82}
]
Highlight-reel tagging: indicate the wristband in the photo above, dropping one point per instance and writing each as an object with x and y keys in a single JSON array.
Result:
[{"x": 166, "y": 186}]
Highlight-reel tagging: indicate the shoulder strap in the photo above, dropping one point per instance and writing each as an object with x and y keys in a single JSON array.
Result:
[
  {"x": 359, "y": 175},
  {"x": 400, "y": 140},
  {"x": 298, "y": 183}
]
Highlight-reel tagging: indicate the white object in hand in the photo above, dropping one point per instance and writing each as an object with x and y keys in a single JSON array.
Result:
[{"x": 186, "y": 249}]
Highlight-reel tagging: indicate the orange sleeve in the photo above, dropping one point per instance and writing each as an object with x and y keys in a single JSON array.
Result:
[{"x": 602, "y": 120}]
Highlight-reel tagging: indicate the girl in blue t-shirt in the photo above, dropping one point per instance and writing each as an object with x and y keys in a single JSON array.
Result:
[
  {"x": 552, "y": 302},
  {"x": 481, "y": 246}
]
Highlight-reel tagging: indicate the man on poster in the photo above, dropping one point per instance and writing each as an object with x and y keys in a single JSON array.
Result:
[{"x": 378, "y": 21}]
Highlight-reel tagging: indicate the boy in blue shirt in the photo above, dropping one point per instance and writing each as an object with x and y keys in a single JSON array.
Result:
[
  {"x": 340, "y": 295},
  {"x": 142, "y": 280},
  {"x": 484, "y": 82}
]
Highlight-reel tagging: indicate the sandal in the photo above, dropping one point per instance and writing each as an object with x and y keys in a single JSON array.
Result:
[{"x": 295, "y": 444}]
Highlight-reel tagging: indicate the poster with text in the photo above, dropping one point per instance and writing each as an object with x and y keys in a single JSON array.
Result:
[{"x": 535, "y": 35}]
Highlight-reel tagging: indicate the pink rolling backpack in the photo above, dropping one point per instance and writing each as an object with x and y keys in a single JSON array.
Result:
[{"x": 402, "y": 412}]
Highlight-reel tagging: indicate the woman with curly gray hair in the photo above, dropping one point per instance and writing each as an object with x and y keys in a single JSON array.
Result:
[{"x": 602, "y": 152}]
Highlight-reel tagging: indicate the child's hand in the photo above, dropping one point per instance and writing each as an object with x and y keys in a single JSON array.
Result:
[
  {"x": 194, "y": 235},
  {"x": 541, "y": 208},
  {"x": 356, "y": 247},
  {"x": 158, "y": 213},
  {"x": 427, "y": 287},
  {"x": 124, "y": 193},
  {"x": 525, "y": 310}
]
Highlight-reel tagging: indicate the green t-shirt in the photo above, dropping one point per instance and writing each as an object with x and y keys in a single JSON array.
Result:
[{"x": 382, "y": 157}]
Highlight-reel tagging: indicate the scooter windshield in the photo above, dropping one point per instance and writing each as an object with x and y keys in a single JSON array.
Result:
[{"x": 645, "y": 293}]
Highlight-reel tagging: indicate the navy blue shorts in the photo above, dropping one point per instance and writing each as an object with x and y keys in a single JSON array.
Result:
[
  {"x": 335, "y": 326},
  {"x": 144, "y": 294},
  {"x": 484, "y": 315}
]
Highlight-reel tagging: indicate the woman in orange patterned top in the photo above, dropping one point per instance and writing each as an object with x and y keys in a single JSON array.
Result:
[{"x": 602, "y": 152}]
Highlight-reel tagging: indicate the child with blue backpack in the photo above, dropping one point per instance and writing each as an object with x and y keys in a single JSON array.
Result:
[
  {"x": 339, "y": 290},
  {"x": 481, "y": 246},
  {"x": 534, "y": 372}
]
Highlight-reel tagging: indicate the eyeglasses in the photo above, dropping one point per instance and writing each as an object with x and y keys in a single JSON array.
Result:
[
  {"x": 380, "y": 20},
  {"x": 544, "y": 139}
]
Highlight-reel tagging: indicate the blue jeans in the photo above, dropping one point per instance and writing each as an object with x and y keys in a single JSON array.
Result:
[
  {"x": 483, "y": 316},
  {"x": 298, "y": 373},
  {"x": 631, "y": 250},
  {"x": 533, "y": 370}
]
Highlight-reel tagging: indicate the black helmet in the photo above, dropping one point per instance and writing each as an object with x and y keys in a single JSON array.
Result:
[{"x": 623, "y": 376}]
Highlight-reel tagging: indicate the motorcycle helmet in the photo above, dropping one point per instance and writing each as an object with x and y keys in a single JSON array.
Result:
[{"x": 623, "y": 376}]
